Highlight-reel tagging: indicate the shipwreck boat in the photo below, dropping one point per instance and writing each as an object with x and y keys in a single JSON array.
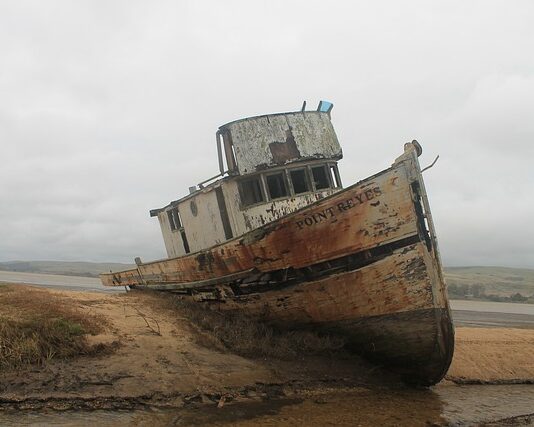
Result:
[{"x": 275, "y": 235}]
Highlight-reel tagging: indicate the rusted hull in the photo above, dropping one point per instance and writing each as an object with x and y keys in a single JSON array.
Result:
[
  {"x": 363, "y": 262},
  {"x": 385, "y": 310}
]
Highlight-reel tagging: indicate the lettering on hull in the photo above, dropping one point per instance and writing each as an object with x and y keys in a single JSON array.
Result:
[{"x": 339, "y": 207}]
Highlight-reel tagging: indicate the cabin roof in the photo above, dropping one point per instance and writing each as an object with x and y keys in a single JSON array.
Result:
[
  {"x": 260, "y": 116},
  {"x": 209, "y": 187},
  {"x": 204, "y": 189},
  {"x": 324, "y": 107}
]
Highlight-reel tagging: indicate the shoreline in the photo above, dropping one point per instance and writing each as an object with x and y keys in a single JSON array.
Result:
[
  {"x": 169, "y": 368},
  {"x": 172, "y": 370}
]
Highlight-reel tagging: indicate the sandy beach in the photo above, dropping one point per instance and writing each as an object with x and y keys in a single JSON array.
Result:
[
  {"x": 157, "y": 361},
  {"x": 168, "y": 368}
]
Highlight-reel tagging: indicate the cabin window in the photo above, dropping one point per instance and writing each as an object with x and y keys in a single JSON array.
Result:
[
  {"x": 288, "y": 182},
  {"x": 299, "y": 180},
  {"x": 320, "y": 177},
  {"x": 251, "y": 192},
  {"x": 276, "y": 184},
  {"x": 334, "y": 174},
  {"x": 172, "y": 224},
  {"x": 174, "y": 219}
]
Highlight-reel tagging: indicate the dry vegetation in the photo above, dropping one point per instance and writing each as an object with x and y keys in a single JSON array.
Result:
[
  {"x": 242, "y": 335},
  {"x": 498, "y": 284},
  {"x": 37, "y": 325}
]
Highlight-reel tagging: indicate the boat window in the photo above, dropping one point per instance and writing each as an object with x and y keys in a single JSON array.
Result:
[
  {"x": 171, "y": 220},
  {"x": 251, "y": 192},
  {"x": 174, "y": 219},
  {"x": 320, "y": 177},
  {"x": 299, "y": 181},
  {"x": 334, "y": 174},
  {"x": 276, "y": 185}
]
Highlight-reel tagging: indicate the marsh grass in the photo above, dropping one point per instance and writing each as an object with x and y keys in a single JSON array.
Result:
[
  {"x": 37, "y": 325},
  {"x": 243, "y": 335}
]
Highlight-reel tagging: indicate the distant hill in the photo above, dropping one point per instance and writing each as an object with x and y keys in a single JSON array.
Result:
[
  {"x": 463, "y": 281},
  {"x": 87, "y": 269},
  {"x": 486, "y": 281}
]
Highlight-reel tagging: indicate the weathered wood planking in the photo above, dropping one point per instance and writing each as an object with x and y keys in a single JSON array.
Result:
[
  {"x": 374, "y": 212},
  {"x": 395, "y": 284}
]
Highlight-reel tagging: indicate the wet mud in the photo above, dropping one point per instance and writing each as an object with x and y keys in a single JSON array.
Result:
[{"x": 356, "y": 406}]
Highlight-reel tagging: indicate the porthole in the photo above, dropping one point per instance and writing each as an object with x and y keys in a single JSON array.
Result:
[{"x": 194, "y": 209}]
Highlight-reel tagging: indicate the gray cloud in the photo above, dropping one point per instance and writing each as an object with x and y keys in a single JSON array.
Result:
[{"x": 109, "y": 109}]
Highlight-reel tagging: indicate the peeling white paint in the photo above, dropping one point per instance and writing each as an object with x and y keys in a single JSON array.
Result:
[{"x": 312, "y": 131}]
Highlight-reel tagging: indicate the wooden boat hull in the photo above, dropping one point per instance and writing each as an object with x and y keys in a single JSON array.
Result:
[
  {"x": 363, "y": 262},
  {"x": 385, "y": 311}
]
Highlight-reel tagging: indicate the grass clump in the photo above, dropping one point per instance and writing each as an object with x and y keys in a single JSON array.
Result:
[
  {"x": 248, "y": 336},
  {"x": 36, "y": 326}
]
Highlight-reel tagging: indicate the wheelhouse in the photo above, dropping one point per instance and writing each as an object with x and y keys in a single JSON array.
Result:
[{"x": 269, "y": 165}]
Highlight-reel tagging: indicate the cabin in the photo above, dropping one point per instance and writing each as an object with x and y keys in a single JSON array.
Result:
[{"x": 270, "y": 166}]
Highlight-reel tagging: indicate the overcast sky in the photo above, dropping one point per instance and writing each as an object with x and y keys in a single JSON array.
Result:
[{"x": 109, "y": 109}]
